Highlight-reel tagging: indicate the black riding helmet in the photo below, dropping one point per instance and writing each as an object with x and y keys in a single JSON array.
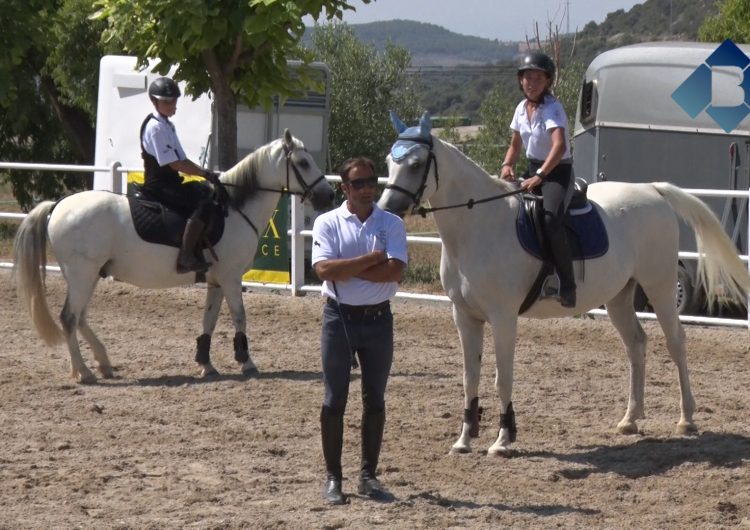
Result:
[
  {"x": 163, "y": 88},
  {"x": 537, "y": 61}
]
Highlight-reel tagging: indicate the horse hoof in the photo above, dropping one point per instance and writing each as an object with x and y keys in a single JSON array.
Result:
[
  {"x": 460, "y": 450},
  {"x": 503, "y": 452},
  {"x": 250, "y": 372},
  {"x": 627, "y": 428},
  {"x": 106, "y": 372},
  {"x": 686, "y": 429},
  {"x": 86, "y": 379},
  {"x": 209, "y": 372}
]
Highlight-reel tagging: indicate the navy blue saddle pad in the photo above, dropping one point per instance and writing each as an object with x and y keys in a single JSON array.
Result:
[
  {"x": 590, "y": 239},
  {"x": 156, "y": 224}
]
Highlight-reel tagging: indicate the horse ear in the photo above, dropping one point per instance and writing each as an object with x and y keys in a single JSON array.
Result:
[
  {"x": 425, "y": 124},
  {"x": 397, "y": 123},
  {"x": 288, "y": 140}
]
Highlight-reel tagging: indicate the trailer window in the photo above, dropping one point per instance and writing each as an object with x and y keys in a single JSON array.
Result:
[{"x": 588, "y": 102}]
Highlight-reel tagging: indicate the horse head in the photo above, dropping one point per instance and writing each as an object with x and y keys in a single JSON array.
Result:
[
  {"x": 411, "y": 162},
  {"x": 309, "y": 180}
]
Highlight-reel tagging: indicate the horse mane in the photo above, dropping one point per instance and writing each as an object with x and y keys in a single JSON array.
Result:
[
  {"x": 479, "y": 170},
  {"x": 242, "y": 179}
]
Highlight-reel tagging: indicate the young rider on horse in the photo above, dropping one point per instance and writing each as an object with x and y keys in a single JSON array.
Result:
[
  {"x": 163, "y": 158},
  {"x": 540, "y": 127}
]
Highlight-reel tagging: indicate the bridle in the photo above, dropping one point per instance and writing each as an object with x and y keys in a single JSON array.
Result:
[
  {"x": 416, "y": 197},
  {"x": 307, "y": 189}
]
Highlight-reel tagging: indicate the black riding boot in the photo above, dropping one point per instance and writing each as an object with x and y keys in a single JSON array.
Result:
[
  {"x": 373, "y": 423},
  {"x": 332, "y": 435},
  {"x": 187, "y": 260},
  {"x": 564, "y": 265}
]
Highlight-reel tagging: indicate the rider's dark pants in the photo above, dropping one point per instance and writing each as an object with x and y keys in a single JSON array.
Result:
[
  {"x": 188, "y": 199},
  {"x": 370, "y": 334},
  {"x": 556, "y": 190}
]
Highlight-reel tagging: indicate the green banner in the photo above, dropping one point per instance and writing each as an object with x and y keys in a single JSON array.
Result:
[{"x": 271, "y": 263}]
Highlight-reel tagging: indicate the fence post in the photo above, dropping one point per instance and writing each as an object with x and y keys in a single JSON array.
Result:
[
  {"x": 114, "y": 170},
  {"x": 298, "y": 246}
]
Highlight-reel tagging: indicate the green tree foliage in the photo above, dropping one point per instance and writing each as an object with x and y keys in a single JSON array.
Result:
[
  {"x": 49, "y": 56},
  {"x": 365, "y": 85},
  {"x": 237, "y": 49},
  {"x": 731, "y": 22}
]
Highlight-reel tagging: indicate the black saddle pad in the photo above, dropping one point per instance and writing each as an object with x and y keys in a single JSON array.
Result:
[
  {"x": 155, "y": 223},
  {"x": 587, "y": 235}
]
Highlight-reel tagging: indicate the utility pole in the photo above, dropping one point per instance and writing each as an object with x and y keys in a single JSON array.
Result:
[
  {"x": 670, "y": 17},
  {"x": 567, "y": 16}
]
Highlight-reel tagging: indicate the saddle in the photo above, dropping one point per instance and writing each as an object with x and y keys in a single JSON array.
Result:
[
  {"x": 586, "y": 233},
  {"x": 159, "y": 224}
]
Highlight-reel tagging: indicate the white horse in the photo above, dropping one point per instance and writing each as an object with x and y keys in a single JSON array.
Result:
[
  {"x": 487, "y": 274},
  {"x": 92, "y": 235}
]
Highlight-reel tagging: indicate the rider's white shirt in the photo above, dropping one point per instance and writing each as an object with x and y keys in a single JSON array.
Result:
[
  {"x": 535, "y": 134},
  {"x": 339, "y": 234},
  {"x": 160, "y": 140}
]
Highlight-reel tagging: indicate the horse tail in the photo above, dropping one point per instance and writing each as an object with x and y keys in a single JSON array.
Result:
[
  {"x": 720, "y": 270},
  {"x": 29, "y": 270}
]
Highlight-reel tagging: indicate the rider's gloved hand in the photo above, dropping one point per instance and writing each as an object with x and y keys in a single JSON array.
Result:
[{"x": 211, "y": 176}]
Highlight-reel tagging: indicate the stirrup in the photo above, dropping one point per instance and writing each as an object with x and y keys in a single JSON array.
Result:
[
  {"x": 194, "y": 265},
  {"x": 550, "y": 287}
]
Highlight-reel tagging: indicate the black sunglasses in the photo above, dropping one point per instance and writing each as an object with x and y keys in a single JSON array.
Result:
[{"x": 358, "y": 184}]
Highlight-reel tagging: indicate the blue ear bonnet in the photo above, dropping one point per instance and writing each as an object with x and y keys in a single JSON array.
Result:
[{"x": 410, "y": 138}]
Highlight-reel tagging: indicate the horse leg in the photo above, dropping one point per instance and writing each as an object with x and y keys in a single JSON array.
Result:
[
  {"x": 233, "y": 295},
  {"x": 100, "y": 352},
  {"x": 211, "y": 309},
  {"x": 622, "y": 315},
  {"x": 674, "y": 334},
  {"x": 471, "y": 335},
  {"x": 80, "y": 288},
  {"x": 504, "y": 334}
]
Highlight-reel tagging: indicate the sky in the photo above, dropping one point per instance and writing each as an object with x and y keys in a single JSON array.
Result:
[{"x": 505, "y": 20}]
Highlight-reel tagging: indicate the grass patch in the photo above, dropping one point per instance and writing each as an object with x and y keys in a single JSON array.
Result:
[{"x": 423, "y": 272}]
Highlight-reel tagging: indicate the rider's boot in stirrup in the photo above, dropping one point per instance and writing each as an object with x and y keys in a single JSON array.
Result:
[
  {"x": 187, "y": 261},
  {"x": 564, "y": 266}
]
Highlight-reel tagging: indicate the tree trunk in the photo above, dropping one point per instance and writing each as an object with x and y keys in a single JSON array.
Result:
[
  {"x": 226, "y": 128},
  {"x": 75, "y": 123}
]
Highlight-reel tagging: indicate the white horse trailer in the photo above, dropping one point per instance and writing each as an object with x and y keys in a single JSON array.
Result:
[
  {"x": 123, "y": 104},
  {"x": 628, "y": 128}
]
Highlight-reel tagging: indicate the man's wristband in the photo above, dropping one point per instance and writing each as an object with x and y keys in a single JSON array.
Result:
[
  {"x": 506, "y": 164},
  {"x": 541, "y": 174}
]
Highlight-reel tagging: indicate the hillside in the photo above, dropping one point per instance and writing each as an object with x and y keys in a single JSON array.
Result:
[
  {"x": 432, "y": 45},
  {"x": 645, "y": 22},
  {"x": 458, "y": 71}
]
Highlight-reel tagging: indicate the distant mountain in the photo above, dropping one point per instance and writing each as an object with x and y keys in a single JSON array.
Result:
[
  {"x": 649, "y": 21},
  {"x": 469, "y": 67},
  {"x": 431, "y": 45}
]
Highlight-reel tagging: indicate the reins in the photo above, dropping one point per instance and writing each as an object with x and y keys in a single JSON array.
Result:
[{"x": 468, "y": 204}]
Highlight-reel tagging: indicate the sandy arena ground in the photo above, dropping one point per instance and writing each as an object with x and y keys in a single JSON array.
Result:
[{"x": 158, "y": 447}]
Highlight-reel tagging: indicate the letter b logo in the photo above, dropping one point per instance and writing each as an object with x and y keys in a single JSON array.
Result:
[{"x": 720, "y": 86}]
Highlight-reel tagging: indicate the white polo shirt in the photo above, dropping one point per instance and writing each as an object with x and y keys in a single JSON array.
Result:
[
  {"x": 160, "y": 140},
  {"x": 339, "y": 234},
  {"x": 537, "y": 140}
]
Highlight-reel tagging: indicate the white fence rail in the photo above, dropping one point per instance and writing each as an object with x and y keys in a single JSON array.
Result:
[{"x": 297, "y": 234}]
